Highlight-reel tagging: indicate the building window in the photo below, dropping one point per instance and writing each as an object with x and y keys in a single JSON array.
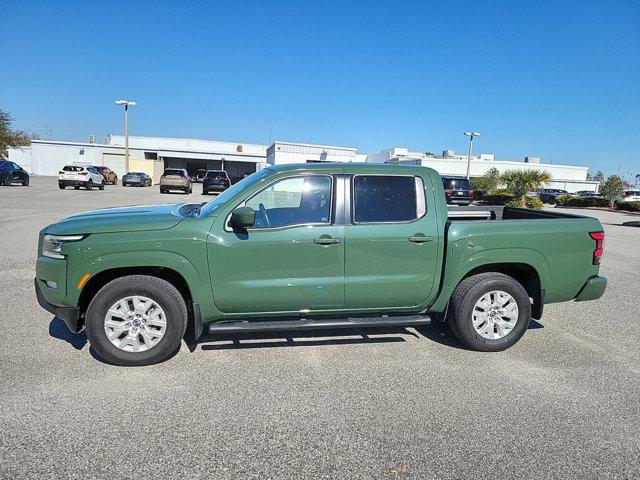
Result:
[{"x": 151, "y": 155}]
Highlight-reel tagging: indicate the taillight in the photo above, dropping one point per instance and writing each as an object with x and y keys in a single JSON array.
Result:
[
  {"x": 599, "y": 250},
  {"x": 61, "y": 172},
  {"x": 448, "y": 191},
  {"x": 84, "y": 173},
  {"x": 469, "y": 192}
]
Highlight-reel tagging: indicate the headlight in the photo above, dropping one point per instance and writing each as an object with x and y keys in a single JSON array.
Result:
[{"x": 52, "y": 244}]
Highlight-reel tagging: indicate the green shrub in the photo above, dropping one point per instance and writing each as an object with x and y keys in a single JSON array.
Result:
[
  {"x": 561, "y": 200},
  {"x": 629, "y": 206},
  {"x": 570, "y": 201},
  {"x": 498, "y": 198},
  {"x": 478, "y": 194},
  {"x": 526, "y": 201}
]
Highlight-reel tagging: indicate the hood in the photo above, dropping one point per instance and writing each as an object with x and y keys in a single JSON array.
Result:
[{"x": 129, "y": 219}]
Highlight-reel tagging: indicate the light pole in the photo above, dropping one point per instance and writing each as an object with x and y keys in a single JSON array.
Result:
[
  {"x": 470, "y": 135},
  {"x": 126, "y": 104}
]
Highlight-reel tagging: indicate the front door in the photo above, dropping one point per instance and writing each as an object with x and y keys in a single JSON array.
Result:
[
  {"x": 291, "y": 260},
  {"x": 391, "y": 245}
]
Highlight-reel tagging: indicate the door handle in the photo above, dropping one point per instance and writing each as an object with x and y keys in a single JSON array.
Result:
[
  {"x": 420, "y": 238},
  {"x": 326, "y": 240}
]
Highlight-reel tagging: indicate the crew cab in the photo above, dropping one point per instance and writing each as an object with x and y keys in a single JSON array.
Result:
[{"x": 312, "y": 246}]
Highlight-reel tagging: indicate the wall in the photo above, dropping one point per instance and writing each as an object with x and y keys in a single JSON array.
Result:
[
  {"x": 47, "y": 158},
  {"x": 282, "y": 153}
]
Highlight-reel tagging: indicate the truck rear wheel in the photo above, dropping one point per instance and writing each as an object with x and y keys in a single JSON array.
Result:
[
  {"x": 489, "y": 312},
  {"x": 136, "y": 320}
]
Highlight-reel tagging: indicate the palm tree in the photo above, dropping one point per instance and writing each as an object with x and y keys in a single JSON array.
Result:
[{"x": 522, "y": 181}]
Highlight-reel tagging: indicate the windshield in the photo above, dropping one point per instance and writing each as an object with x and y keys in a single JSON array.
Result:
[{"x": 232, "y": 191}]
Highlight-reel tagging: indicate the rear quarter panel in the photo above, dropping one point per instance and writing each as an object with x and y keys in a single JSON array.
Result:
[{"x": 559, "y": 249}]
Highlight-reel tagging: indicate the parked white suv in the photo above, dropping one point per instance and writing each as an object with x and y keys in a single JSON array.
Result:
[{"x": 77, "y": 176}]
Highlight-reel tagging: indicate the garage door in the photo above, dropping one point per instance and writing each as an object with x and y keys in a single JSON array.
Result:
[{"x": 115, "y": 162}]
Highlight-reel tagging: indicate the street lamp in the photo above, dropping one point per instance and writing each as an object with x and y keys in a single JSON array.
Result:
[
  {"x": 470, "y": 135},
  {"x": 126, "y": 104}
]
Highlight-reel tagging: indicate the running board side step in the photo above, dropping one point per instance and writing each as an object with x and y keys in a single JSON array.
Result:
[{"x": 311, "y": 324}]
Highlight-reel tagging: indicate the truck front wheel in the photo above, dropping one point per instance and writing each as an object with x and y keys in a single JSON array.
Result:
[
  {"x": 136, "y": 320},
  {"x": 489, "y": 312}
]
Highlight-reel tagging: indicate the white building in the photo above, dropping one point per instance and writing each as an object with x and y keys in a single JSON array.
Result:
[
  {"x": 153, "y": 154},
  {"x": 568, "y": 177}
]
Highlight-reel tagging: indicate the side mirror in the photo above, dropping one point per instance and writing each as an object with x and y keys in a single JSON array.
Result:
[{"x": 243, "y": 217}]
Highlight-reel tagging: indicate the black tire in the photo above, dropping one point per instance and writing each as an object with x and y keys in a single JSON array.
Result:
[
  {"x": 464, "y": 299},
  {"x": 115, "y": 180},
  {"x": 7, "y": 182},
  {"x": 25, "y": 183},
  {"x": 60, "y": 186},
  {"x": 89, "y": 184},
  {"x": 101, "y": 187},
  {"x": 76, "y": 187},
  {"x": 157, "y": 289},
  {"x": 162, "y": 190}
]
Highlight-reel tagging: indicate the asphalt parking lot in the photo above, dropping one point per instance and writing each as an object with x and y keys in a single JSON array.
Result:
[{"x": 392, "y": 403}]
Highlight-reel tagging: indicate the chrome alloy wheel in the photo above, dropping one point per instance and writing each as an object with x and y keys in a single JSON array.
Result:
[
  {"x": 135, "y": 324},
  {"x": 495, "y": 315}
]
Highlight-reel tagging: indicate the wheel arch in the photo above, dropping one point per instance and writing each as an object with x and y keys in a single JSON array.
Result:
[
  {"x": 523, "y": 273},
  {"x": 526, "y": 266},
  {"x": 100, "y": 279}
]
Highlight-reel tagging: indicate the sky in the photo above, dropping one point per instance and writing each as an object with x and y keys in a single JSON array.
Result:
[{"x": 560, "y": 80}]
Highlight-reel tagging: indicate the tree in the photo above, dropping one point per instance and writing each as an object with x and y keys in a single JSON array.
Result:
[
  {"x": 522, "y": 181},
  {"x": 612, "y": 189},
  {"x": 487, "y": 183},
  {"x": 10, "y": 138},
  {"x": 598, "y": 177}
]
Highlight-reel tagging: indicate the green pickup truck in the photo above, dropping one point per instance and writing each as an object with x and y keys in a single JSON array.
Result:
[{"x": 312, "y": 246}]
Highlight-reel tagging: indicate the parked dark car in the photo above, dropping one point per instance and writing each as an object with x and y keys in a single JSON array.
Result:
[
  {"x": 199, "y": 176},
  {"x": 139, "y": 179},
  {"x": 108, "y": 174},
  {"x": 587, "y": 193},
  {"x": 457, "y": 190},
  {"x": 549, "y": 195},
  {"x": 12, "y": 173},
  {"x": 215, "y": 181}
]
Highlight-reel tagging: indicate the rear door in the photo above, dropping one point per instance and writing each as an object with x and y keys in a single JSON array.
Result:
[{"x": 391, "y": 244}]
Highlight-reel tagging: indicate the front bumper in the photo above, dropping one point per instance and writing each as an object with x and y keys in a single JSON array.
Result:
[
  {"x": 70, "y": 315},
  {"x": 592, "y": 289}
]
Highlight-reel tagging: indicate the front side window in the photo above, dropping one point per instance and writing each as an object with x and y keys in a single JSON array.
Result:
[
  {"x": 293, "y": 201},
  {"x": 387, "y": 198}
]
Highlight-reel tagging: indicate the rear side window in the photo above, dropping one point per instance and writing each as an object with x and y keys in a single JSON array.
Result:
[
  {"x": 71, "y": 168},
  {"x": 179, "y": 173},
  {"x": 387, "y": 198}
]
